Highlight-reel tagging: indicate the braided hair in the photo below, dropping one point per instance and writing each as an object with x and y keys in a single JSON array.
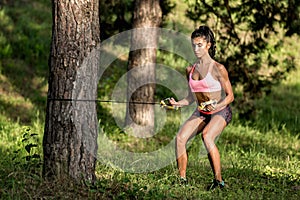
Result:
[{"x": 206, "y": 32}]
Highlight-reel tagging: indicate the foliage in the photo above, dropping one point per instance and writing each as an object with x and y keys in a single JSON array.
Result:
[
  {"x": 24, "y": 36},
  {"x": 116, "y": 15},
  {"x": 28, "y": 154},
  {"x": 20, "y": 165},
  {"x": 25, "y": 33},
  {"x": 249, "y": 33},
  {"x": 292, "y": 19}
]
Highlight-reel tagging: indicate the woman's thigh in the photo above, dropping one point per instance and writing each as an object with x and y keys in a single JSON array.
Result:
[
  {"x": 215, "y": 127},
  {"x": 193, "y": 125}
]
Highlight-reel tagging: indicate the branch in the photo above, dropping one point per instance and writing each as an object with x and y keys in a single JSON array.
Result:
[{"x": 232, "y": 26}]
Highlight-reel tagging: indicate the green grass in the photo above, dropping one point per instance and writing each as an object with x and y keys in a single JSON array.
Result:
[
  {"x": 260, "y": 158},
  {"x": 258, "y": 163}
]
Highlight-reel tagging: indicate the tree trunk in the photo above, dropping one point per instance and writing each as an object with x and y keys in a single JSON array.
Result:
[
  {"x": 70, "y": 138},
  {"x": 141, "y": 66}
]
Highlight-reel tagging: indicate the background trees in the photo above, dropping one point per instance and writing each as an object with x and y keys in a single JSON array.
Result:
[
  {"x": 147, "y": 15},
  {"x": 117, "y": 15}
]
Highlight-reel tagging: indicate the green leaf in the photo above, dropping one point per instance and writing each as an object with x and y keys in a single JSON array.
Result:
[
  {"x": 36, "y": 156},
  {"x": 29, "y": 146}
]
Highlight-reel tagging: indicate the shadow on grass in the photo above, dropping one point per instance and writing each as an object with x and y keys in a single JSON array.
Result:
[
  {"x": 27, "y": 32},
  {"x": 19, "y": 112}
]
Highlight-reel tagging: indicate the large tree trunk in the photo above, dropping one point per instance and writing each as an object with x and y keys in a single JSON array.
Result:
[
  {"x": 141, "y": 66},
  {"x": 70, "y": 138}
]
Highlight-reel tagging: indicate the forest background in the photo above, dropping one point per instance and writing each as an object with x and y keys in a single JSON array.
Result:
[{"x": 260, "y": 153}]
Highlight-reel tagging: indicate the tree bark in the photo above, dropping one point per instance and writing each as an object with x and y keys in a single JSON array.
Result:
[
  {"x": 70, "y": 137},
  {"x": 141, "y": 64}
]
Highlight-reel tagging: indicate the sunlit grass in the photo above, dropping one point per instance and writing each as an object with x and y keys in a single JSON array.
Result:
[{"x": 280, "y": 109}]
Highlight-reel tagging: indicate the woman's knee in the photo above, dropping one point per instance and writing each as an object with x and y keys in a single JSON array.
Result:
[
  {"x": 205, "y": 135},
  {"x": 207, "y": 138},
  {"x": 180, "y": 140}
]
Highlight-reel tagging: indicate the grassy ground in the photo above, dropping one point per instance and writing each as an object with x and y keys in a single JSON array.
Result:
[
  {"x": 260, "y": 158},
  {"x": 259, "y": 162}
]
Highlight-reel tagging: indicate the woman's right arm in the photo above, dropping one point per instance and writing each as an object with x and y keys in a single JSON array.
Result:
[{"x": 189, "y": 99}]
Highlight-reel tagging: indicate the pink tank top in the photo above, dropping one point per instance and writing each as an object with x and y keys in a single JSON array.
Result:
[{"x": 207, "y": 84}]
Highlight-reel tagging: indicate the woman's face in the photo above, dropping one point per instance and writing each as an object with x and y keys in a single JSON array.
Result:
[{"x": 200, "y": 46}]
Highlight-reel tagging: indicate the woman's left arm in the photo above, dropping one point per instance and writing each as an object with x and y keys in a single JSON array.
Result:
[{"x": 226, "y": 85}]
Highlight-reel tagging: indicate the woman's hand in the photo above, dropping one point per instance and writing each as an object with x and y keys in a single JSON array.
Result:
[
  {"x": 210, "y": 107},
  {"x": 173, "y": 102},
  {"x": 169, "y": 104}
]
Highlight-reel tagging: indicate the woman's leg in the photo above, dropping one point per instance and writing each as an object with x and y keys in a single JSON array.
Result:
[
  {"x": 210, "y": 133},
  {"x": 189, "y": 129}
]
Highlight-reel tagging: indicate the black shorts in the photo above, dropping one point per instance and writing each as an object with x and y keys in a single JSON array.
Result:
[{"x": 226, "y": 113}]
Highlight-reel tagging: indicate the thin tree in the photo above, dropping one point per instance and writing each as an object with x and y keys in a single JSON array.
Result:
[
  {"x": 141, "y": 64},
  {"x": 70, "y": 138}
]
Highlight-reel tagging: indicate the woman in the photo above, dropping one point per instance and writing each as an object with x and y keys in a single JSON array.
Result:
[{"x": 210, "y": 86}]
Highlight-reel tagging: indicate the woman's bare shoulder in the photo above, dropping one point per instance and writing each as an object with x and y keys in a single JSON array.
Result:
[
  {"x": 189, "y": 68},
  {"x": 220, "y": 67}
]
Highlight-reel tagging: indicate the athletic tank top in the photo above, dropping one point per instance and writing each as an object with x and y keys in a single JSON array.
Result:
[{"x": 207, "y": 84}]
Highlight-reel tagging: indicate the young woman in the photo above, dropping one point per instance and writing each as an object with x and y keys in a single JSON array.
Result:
[{"x": 210, "y": 87}]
